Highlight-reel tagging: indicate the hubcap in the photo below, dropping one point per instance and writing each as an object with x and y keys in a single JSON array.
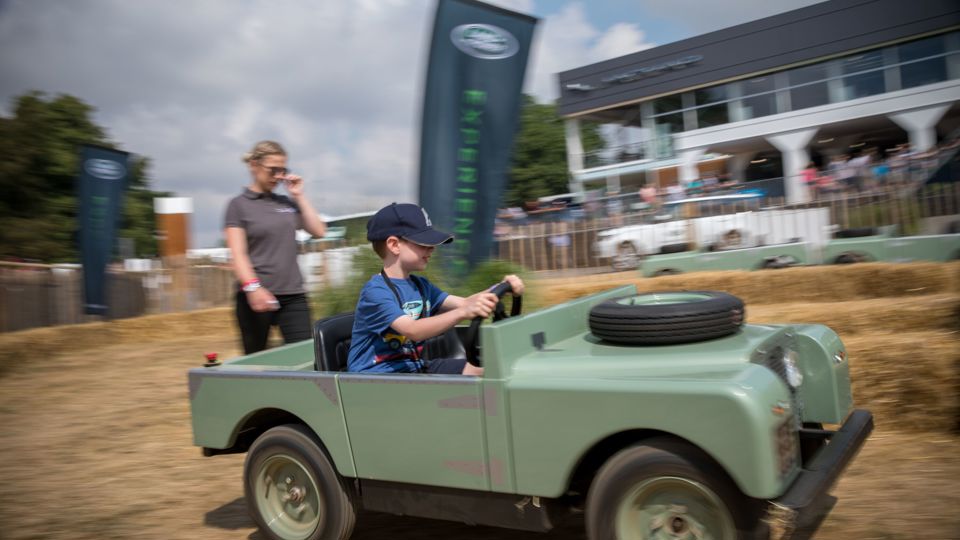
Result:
[
  {"x": 287, "y": 497},
  {"x": 669, "y": 508},
  {"x": 664, "y": 298}
]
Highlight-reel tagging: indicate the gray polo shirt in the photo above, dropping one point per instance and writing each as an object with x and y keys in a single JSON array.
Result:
[{"x": 271, "y": 222}]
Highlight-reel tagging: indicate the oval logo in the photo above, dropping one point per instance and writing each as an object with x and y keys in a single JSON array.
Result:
[
  {"x": 104, "y": 169},
  {"x": 484, "y": 41}
]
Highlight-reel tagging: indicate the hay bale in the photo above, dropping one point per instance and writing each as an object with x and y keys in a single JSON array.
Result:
[
  {"x": 939, "y": 312},
  {"x": 802, "y": 284},
  {"x": 910, "y": 381},
  {"x": 40, "y": 343}
]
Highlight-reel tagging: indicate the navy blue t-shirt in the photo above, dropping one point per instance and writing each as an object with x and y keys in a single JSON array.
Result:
[{"x": 375, "y": 346}]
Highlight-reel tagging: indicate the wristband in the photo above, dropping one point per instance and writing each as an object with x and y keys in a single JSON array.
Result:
[{"x": 250, "y": 285}]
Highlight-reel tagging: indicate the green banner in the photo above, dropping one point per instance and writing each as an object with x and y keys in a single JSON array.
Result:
[
  {"x": 102, "y": 180},
  {"x": 471, "y": 112}
]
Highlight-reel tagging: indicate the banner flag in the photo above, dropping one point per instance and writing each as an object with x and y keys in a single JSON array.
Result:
[
  {"x": 471, "y": 112},
  {"x": 102, "y": 180}
]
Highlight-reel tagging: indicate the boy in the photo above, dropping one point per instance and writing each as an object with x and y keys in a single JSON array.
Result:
[{"x": 397, "y": 310}]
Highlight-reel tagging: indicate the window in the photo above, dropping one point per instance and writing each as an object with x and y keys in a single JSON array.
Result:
[
  {"x": 714, "y": 114},
  {"x": 759, "y": 99},
  {"x": 808, "y": 86},
  {"x": 863, "y": 75},
  {"x": 917, "y": 68}
]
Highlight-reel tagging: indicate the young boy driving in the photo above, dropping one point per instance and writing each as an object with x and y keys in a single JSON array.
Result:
[{"x": 397, "y": 310}]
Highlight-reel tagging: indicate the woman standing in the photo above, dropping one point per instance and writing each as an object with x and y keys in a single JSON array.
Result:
[{"x": 260, "y": 228}]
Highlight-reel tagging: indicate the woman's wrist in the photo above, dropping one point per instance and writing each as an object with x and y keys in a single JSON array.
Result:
[{"x": 250, "y": 285}]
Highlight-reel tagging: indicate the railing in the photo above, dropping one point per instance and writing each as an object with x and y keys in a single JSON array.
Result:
[
  {"x": 569, "y": 244},
  {"x": 33, "y": 295}
]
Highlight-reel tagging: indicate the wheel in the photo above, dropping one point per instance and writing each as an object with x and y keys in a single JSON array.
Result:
[
  {"x": 675, "y": 248},
  {"x": 663, "y": 489},
  {"x": 849, "y": 257},
  {"x": 293, "y": 491},
  {"x": 779, "y": 261},
  {"x": 666, "y": 272},
  {"x": 627, "y": 257},
  {"x": 856, "y": 232},
  {"x": 667, "y": 317}
]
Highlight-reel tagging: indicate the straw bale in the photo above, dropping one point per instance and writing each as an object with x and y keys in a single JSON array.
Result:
[
  {"x": 801, "y": 284},
  {"x": 910, "y": 381},
  {"x": 40, "y": 343}
]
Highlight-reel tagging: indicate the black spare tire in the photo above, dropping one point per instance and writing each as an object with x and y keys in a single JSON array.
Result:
[{"x": 666, "y": 318}]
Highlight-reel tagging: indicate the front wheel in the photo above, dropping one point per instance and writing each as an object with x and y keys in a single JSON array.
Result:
[
  {"x": 664, "y": 490},
  {"x": 293, "y": 491}
]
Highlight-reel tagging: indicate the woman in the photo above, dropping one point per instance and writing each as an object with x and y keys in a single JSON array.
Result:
[{"x": 260, "y": 228}]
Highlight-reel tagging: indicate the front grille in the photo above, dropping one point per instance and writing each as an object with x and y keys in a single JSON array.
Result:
[
  {"x": 774, "y": 362},
  {"x": 787, "y": 446}
]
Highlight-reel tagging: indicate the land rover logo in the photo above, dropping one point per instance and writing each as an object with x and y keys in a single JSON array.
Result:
[
  {"x": 104, "y": 169},
  {"x": 484, "y": 41}
]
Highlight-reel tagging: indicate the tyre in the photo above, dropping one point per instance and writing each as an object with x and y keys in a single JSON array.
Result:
[
  {"x": 849, "y": 257},
  {"x": 856, "y": 232},
  {"x": 292, "y": 489},
  {"x": 627, "y": 257},
  {"x": 675, "y": 248},
  {"x": 666, "y": 489},
  {"x": 666, "y": 272},
  {"x": 667, "y": 317},
  {"x": 779, "y": 261}
]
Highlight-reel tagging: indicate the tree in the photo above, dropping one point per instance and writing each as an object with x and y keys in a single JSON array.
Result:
[
  {"x": 38, "y": 174},
  {"x": 540, "y": 155}
]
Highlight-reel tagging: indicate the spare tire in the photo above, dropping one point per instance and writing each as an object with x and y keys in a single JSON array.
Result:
[
  {"x": 666, "y": 318},
  {"x": 857, "y": 232}
]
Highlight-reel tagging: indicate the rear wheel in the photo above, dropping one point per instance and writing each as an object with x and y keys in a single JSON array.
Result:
[
  {"x": 627, "y": 257},
  {"x": 293, "y": 491},
  {"x": 663, "y": 489}
]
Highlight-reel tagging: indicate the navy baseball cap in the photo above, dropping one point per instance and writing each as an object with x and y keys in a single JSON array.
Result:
[{"x": 408, "y": 221}]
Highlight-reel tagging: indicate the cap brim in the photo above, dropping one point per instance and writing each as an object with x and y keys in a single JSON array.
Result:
[{"x": 430, "y": 237}]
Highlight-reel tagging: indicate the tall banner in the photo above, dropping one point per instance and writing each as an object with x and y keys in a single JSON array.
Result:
[
  {"x": 471, "y": 112},
  {"x": 103, "y": 177}
]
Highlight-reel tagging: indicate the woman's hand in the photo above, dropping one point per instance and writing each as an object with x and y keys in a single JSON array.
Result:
[
  {"x": 262, "y": 300},
  {"x": 294, "y": 183}
]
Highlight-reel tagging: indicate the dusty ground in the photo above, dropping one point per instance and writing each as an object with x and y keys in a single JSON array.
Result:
[{"x": 97, "y": 445}]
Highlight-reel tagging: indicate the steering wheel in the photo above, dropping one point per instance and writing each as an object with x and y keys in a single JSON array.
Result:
[{"x": 471, "y": 339}]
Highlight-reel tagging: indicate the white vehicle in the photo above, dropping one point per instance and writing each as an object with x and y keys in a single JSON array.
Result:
[{"x": 677, "y": 226}]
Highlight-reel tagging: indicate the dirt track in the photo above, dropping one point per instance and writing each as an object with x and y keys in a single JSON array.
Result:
[{"x": 97, "y": 445}]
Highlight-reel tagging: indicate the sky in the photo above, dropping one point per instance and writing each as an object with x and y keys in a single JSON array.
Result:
[{"x": 192, "y": 85}]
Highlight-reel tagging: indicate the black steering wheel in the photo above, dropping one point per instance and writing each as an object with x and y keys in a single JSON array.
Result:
[{"x": 471, "y": 340}]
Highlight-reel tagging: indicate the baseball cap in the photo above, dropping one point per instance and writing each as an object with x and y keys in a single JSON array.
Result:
[{"x": 408, "y": 221}]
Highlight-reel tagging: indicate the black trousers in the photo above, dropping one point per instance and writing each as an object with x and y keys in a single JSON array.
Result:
[{"x": 293, "y": 318}]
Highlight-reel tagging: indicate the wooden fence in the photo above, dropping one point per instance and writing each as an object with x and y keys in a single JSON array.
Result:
[
  {"x": 33, "y": 295},
  {"x": 563, "y": 245}
]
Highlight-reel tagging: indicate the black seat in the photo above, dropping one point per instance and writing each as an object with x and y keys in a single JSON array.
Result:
[{"x": 331, "y": 343}]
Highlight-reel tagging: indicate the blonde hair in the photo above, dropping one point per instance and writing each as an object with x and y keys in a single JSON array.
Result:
[{"x": 263, "y": 149}]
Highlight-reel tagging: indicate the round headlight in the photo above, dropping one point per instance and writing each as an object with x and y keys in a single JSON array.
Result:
[{"x": 794, "y": 375}]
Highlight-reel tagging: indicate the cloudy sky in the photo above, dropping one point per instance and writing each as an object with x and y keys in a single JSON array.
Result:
[{"x": 192, "y": 84}]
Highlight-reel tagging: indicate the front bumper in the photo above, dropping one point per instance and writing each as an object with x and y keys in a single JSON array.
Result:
[{"x": 797, "y": 514}]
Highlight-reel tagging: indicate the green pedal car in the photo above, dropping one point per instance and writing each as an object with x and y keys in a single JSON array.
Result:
[{"x": 660, "y": 416}]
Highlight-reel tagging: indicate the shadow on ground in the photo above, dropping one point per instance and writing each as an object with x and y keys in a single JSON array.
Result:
[{"x": 376, "y": 526}]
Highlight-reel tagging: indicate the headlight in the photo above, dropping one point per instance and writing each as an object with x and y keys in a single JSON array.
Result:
[{"x": 793, "y": 374}]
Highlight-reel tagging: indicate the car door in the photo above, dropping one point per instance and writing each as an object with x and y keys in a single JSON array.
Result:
[{"x": 416, "y": 428}]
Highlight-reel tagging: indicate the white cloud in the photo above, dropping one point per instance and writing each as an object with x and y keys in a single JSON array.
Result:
[
  {"x": 193, "y": 85},
  {"x": 567, "y": 40}
]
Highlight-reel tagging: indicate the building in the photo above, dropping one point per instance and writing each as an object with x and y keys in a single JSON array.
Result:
[{"x": 762, "y": 99}]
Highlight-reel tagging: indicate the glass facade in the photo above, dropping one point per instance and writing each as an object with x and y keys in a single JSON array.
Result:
[
  {"x": 907, "y": 65},
  {"x": 923, "y": 62},
  {"x": 808, "y": 86}
]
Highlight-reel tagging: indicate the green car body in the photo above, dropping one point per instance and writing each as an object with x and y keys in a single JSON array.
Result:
[
  {"x": 885, "y": 248},
  {"x": 553, "y": 405},
  {"x": 752, "y": 258}
]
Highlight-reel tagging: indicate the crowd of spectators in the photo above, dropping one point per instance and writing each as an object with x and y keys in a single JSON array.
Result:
[{"x": 870, "y": 170}]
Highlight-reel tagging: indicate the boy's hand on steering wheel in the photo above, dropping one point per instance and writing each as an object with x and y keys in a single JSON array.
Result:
[
  {"x": 516, "y": 284},
  {"x": 480, "y": 304}
]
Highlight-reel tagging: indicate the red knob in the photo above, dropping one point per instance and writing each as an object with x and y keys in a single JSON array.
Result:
[{"x": 211, "y": 356}]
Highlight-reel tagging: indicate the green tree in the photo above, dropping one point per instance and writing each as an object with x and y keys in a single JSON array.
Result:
[
  {"x": 540, "y": 154},
  {"x": 38, "y": 212}
]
